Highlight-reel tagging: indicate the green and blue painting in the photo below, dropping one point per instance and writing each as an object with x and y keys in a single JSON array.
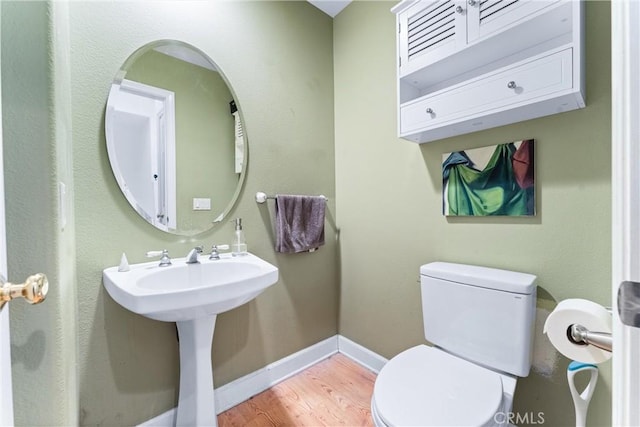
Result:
[{"x": 494, "y": 180}]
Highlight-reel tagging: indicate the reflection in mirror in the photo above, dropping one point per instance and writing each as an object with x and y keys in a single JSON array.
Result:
[{"x": 174, "y": 138}]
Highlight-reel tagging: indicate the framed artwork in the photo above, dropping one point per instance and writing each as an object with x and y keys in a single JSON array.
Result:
[{"x": 494, "y": 180}]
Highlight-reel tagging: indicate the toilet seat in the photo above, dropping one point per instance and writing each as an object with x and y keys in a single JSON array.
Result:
[{"x": 425, "y": 386}]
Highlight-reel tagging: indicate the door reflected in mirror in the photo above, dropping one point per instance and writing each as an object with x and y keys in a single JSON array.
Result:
[{"x": 175, "y": 139}]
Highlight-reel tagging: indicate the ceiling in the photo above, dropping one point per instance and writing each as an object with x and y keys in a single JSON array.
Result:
[{"x": 330, "y": 7}]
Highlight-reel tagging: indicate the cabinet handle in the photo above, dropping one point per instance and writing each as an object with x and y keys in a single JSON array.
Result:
[
  {"x": 429, "y": 111},
  {"x": 511, "y": 85},
  {"x": 459, "y": 9},
  {"x": 472, "y": 2}
]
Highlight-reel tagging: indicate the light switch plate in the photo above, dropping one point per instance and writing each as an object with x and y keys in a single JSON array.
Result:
[{"x": 201, "y": 204}]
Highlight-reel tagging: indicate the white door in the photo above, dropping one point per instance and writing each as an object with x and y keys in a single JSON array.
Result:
[
  {"x": 34, "y": 290},
  {"x": 625, "y": 40},
  {"x": 6, "y": 398},
  {"x": 6, "y": 395},
  {"x": 140, "y": 124}
]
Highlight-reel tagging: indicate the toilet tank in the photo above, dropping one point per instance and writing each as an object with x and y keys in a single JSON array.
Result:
[{"x": 481, "y": 314}]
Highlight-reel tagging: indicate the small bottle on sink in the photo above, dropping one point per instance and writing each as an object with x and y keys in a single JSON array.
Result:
[{"x": 239, "y": 244}]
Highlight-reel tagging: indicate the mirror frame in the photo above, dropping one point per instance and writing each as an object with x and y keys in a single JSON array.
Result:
[{"x": 111, "y": 151}]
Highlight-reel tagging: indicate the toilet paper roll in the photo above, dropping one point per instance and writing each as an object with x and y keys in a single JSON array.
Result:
[{"x": 583, "y": 312}]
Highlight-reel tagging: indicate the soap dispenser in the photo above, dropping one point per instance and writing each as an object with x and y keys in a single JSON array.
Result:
[{"x": 239, "y": 245}]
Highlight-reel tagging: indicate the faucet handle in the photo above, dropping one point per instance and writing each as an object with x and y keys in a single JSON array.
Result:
[
  {"x": 214, "y": 251},
  {"x": 164, "y": 261}
]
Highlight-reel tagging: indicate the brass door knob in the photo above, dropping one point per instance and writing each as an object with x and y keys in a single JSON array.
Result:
[{"x": 34, "y": 289}]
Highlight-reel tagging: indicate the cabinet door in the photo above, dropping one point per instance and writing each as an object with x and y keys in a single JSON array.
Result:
[
  {"x": 486, "y": 17},
  {"x": 429, "y": 31}
]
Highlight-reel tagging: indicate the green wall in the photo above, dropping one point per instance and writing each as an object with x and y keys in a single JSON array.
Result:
[
  {"x": 205, "y": 130},
  {"x": 36, "y": 123},
  {"x": 278, "y": 59},
  {"x": 388, "y": 193},
  {"x": 319, "y": 106}
]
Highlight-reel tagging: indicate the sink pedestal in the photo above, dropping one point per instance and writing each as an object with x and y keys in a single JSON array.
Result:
[{"x": 196, "y": 405}]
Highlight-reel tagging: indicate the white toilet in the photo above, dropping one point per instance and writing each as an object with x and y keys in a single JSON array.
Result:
[{"x": 480, "y": 321}]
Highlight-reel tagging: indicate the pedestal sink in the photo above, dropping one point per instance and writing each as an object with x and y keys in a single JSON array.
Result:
[{"x": 191, "y": 295}]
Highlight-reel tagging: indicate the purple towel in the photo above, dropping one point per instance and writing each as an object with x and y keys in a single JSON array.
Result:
[{"x": 299, "y": 223}]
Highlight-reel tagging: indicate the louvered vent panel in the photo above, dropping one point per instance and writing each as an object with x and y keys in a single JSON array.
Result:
[
  {"x": 494, "y": 8},
  {"x": 430, "y": 27}
]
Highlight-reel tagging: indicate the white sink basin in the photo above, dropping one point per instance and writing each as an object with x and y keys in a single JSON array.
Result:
[
  {"x": 189, "y": 291},
  {"x": 191, "y": 295}
]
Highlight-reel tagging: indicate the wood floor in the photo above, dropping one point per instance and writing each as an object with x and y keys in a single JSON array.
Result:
[{"x": 334, "y": 392}]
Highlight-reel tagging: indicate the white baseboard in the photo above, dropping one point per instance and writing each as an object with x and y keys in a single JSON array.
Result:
[
  {"x": 237, "y": 391},
  {"x": 360, "y": 354}
]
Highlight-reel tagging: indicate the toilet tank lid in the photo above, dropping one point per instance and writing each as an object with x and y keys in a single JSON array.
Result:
[{"x": 484, "y": 277}]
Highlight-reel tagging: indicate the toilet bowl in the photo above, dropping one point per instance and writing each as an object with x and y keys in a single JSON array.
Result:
[
  {"x": 480, "y": 321},
  {"x": 426, "y": 386}
]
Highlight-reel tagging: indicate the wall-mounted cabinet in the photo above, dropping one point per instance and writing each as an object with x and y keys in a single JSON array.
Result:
[{"x": 467, "y": 66}]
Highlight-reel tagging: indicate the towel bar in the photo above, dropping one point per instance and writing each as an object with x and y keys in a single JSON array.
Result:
[{"x": 262, "y": 197}]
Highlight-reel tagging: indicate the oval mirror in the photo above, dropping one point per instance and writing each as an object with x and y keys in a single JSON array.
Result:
[{"x": 175, "y": 139}]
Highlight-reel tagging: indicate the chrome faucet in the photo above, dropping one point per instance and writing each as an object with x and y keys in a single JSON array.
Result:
[{"x": 192, "y": 256}]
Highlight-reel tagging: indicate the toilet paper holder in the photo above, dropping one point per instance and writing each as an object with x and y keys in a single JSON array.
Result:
[
  {"x": 580, "y": 335},
  {"x": 628, "y": 310}
]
